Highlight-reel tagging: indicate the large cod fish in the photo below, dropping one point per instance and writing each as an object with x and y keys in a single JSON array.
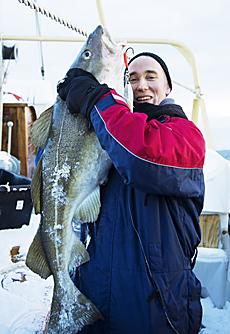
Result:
[{"x": 66, "y": 186}]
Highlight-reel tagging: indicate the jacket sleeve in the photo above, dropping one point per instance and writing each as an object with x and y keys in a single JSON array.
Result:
[{"x": 162, "y": 158}]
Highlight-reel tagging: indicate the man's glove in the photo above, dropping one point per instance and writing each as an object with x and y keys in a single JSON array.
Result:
[{"x": 81, "y": 90}]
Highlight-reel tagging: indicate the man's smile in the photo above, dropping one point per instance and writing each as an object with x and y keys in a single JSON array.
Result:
[{"x": 144, "y": 98}]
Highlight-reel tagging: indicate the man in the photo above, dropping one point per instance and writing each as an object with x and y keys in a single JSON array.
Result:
[{"x": 143, "y": 246}]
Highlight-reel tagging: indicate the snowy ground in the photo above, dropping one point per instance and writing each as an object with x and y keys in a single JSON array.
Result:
[{"x": 25, "y": 297}]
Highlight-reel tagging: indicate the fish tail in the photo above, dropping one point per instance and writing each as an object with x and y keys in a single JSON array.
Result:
[{"x": 71, "y": 311}]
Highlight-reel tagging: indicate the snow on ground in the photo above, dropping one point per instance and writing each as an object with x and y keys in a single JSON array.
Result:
[
  {"x": 25, "y": 297},
  {"x": 215, "y": 320}
]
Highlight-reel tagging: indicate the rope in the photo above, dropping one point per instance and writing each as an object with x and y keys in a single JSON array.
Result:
[
  {"x": 194, "y": 91},
  {"x": 53, "y": 17}
]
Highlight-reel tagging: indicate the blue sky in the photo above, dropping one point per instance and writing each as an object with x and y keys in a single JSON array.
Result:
[{"x": 202, "y": 25}]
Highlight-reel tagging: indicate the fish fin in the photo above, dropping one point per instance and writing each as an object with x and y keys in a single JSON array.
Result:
[
  {"x": 79, "y": 255},
  {"x": 88, "y": 210},
  {"x": 36, "y": 257},
  {"x": 41, "y": 127},
  {"x": 36, "y": 187}
]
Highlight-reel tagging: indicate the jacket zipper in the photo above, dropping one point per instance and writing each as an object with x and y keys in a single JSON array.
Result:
[{"x": 149, "y": 273}]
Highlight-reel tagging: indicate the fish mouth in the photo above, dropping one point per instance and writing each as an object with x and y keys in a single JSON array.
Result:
[
  {"x": 103, "y": 35},
  {"x": 106, "y": 38}
]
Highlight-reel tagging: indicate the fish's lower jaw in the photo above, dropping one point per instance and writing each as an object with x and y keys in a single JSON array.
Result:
[{"x": 70, "y": 313}]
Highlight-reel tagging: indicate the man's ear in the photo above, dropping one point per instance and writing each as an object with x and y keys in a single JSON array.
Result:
[{"x": 168, "y": 89}]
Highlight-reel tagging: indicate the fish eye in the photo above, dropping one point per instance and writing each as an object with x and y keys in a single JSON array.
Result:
[{"x": 86, "y": 54}]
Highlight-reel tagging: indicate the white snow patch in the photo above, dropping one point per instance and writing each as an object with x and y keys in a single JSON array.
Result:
[
  {"x": 24, "y": 305},
  {"x": 216, "y": 321},
  {"x": 58, "y": 227},
  {"x": 25, "y": 298},
  {"x": 58, "y": 193},
  {"x": 62, "y": 172}
]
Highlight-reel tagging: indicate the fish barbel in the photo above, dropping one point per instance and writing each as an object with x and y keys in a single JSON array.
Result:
[{"x": 66, "y": 185}]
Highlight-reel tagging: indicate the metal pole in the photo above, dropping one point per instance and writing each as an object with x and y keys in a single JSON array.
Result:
[
  {"x": 29, "y": 38},
  {"x": 182, "y": 48},
  {"x": 10, "y": 125},
  {"x": 100, "y": 13}
]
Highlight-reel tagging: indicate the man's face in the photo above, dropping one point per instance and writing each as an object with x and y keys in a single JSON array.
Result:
[{"x": 148, "y": 80}]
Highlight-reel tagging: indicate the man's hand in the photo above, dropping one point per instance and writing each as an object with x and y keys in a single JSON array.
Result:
[{"x": 80, "y": 90}]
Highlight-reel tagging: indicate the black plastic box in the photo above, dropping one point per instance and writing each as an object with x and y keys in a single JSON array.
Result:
[{"x": 15, "y": 200}]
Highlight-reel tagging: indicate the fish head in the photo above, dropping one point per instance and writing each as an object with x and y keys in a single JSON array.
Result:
[{"x": 103, "y": 57}]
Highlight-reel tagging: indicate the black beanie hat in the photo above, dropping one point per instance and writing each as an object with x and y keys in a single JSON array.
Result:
[{"x": 159, "y": 60}]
